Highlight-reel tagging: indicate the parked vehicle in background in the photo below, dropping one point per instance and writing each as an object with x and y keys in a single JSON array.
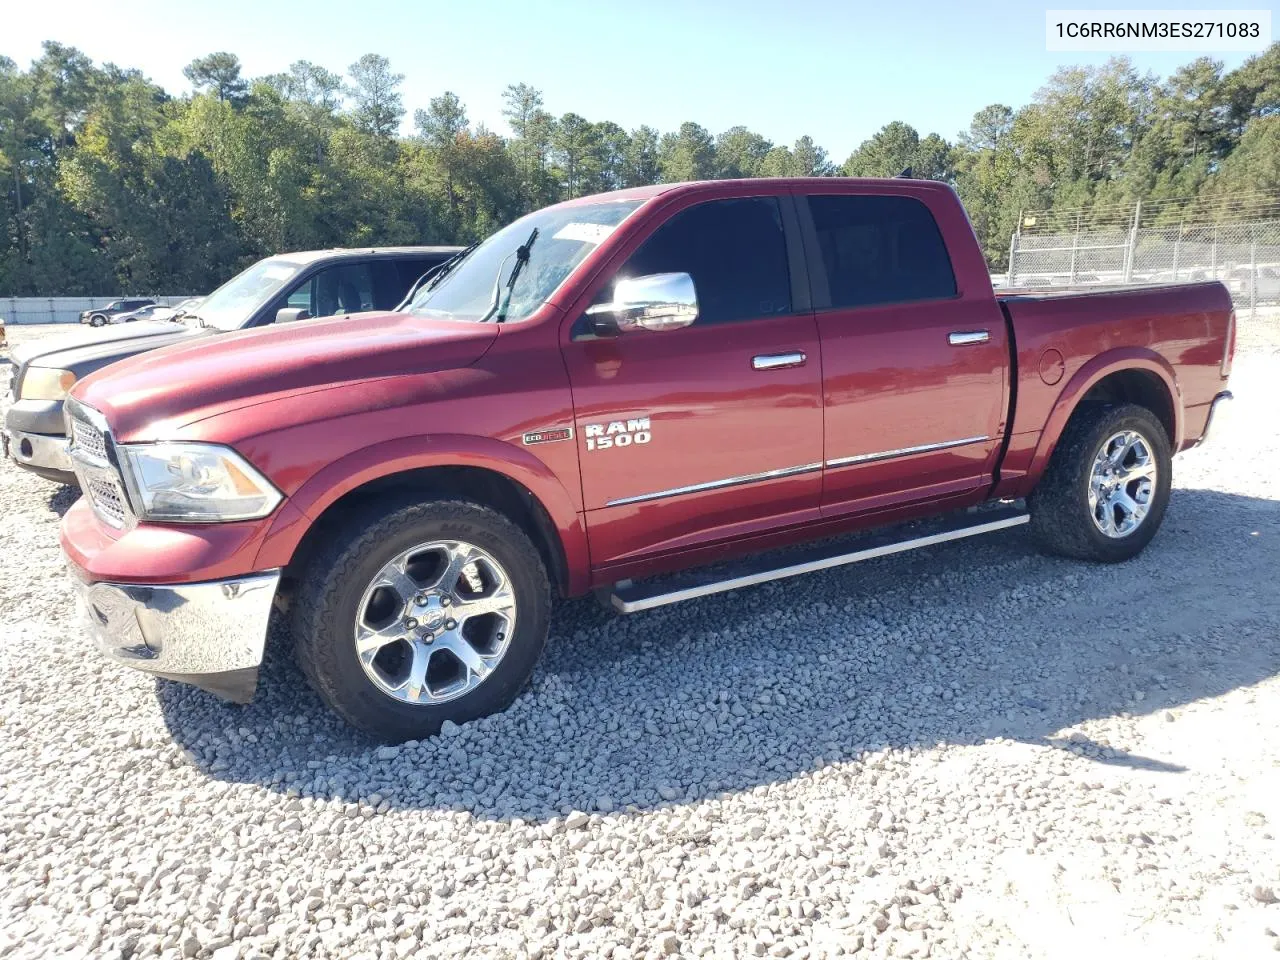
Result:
[
  {"x": 3, "y": 338},
  {"x": 293, "y": 286},
  {"x": 152, "y": 311},
  {"x": 609, "y": 389},
  {"x": 1248, "y": 284},
  {"x": 101, "y": 316},
  {"x": 178, "y": 309}
]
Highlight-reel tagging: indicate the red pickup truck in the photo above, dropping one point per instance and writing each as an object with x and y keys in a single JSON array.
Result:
[{"x": 603, "y": 393}]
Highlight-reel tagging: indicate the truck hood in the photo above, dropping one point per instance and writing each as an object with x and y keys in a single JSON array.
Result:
[
  {"x": 83, "y": 355},
  {"x": 153, "y": 395}
]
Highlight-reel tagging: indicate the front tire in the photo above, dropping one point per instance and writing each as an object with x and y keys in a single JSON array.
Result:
[
  {"x": 97, "y": 320},
  {"x": 422, "y": 613},
  {"x": 1105, "y": 491}
]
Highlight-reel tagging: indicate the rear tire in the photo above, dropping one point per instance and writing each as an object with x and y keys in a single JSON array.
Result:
[
  {"x": 406, "y": 687},
  {"x": 1105, "y": 491}
]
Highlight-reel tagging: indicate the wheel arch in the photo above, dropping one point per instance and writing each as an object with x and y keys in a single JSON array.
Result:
[
  {"x": 482, "y": 470},
  {"x": 1131, "y": 375}
]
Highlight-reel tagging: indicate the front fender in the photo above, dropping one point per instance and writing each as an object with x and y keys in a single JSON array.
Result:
[
  {"x": 1085, "y": 379},
  {"x": 403, "y": 454}
]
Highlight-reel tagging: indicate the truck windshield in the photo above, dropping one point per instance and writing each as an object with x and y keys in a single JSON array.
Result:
[
  {"x": 565, "y": 236},
  {"x": 232, "y": 304}
]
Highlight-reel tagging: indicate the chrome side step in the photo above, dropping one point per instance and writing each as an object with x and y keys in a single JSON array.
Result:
[{"x": 628, "y": 597}]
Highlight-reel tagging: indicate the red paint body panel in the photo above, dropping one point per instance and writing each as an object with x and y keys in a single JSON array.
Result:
[
  {"x": 324, "y": 407},
  {"x": 1176, "y": 333},
  {"x": 893, "y": 380},
  {"x": 162, "y": 553},
  {"x": 714, "y": 418},
  {"x": 151, "y": 395}
]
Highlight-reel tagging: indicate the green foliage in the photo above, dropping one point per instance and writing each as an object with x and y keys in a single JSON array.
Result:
[
  {"x": 1255, "y": 164},
  {"x": 888, "y": 153},
  {"x": 689, "y": 154},
  {"x": 740, "y": 153},
  {"x": 110, "y": 185},
  {"x": 219, "y": 74},
  {"x": 375, "y": 90}
]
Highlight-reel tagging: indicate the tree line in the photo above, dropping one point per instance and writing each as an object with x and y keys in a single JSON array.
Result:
[{"x": 112, "y": 185}]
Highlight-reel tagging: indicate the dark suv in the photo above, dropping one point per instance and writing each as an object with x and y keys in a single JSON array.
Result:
[
  {"x": 291, "y": 286},
  {"x": 102, "y": 315}
]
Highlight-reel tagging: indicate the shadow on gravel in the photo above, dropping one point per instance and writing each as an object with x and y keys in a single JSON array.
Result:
[
  {"x": 62, "y": 499},
  {"x": 1111, "y": 756},
  {"x": 955, "y": 644}
]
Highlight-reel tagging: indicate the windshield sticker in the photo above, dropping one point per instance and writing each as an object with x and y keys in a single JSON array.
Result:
[{"x": 594, "y": 233}]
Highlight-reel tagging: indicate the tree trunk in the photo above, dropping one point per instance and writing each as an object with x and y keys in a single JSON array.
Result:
[{"x": 17, "y": 195}]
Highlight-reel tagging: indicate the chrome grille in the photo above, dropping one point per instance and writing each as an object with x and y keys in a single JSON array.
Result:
[
  {"x": 14, "y": 377},
  {"x": 92, "y": 459},
  {"x": 88, "y": 439},
  {"x": 107, "y": 500}
]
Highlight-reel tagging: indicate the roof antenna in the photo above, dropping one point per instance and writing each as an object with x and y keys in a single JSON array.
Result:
[{"x": 905, "y": 174}]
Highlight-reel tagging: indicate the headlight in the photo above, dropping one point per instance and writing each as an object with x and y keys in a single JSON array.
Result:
[
  {"x": 45, "y": 383},
  {"x": 194, "y": 482}
]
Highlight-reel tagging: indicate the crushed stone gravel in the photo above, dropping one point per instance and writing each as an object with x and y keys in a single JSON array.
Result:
[{"x": 969, "y": 751}]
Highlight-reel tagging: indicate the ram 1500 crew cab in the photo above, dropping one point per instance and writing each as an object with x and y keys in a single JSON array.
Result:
[{"x": 609, "y": 389}]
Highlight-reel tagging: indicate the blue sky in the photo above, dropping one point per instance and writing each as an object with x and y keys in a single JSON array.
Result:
[{"x": 835, "y": 70}]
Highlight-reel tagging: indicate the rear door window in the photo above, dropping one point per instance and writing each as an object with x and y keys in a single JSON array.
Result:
[{"x": 881, "y": 250}]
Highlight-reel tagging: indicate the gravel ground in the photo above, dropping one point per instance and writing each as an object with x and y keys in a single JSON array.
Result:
[{"x": 970, "y": 751}]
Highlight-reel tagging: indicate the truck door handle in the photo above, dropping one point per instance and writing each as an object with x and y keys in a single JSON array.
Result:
[
  {"x": 961, "y": 337},
  {"x": 777, "y": 361}
]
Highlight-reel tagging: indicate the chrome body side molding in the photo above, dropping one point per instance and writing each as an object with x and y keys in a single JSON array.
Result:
[
  {"x": 717, "y": 484},
  {"x": 903, "y": 452}
]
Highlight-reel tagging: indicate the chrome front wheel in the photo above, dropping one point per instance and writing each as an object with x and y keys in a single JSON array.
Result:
[
  {"x": 1122, "y": 483},
  {"x": 435, "y": 622}
]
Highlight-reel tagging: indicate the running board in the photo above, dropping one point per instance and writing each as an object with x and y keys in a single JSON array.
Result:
[{"x": 629, "y": 597}]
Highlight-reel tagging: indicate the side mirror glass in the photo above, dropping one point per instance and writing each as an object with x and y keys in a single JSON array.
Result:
[
  {"x": 289, "y": 314},
  {"x": 656, "y": 302}
]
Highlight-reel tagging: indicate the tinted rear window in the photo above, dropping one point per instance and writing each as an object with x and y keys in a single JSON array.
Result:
[{"x": 881, "y": 250}]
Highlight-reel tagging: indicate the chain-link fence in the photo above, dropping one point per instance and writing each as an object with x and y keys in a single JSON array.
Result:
[{"x": 1244, "y": 256}]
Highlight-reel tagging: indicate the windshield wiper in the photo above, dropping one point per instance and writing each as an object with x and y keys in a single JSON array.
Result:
[
  {"x": 522, "y": 258},
  {"x": 432, "y": 277}
]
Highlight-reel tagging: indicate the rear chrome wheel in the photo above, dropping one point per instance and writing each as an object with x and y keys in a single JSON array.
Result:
[
  {"x": 1105, "y": 490},
  {"x": 1122, "y": 483},
  {"x": 435, "y": 622}
]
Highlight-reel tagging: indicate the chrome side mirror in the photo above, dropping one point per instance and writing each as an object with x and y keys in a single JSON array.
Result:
[{"x": 657, "y": 302}]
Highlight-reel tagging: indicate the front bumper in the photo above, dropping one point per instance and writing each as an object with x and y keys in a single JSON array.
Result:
[
  {"x": 46, "y": 455},
  {"x": 211, "y": 635},
  {"x": 36, "y": 416}
]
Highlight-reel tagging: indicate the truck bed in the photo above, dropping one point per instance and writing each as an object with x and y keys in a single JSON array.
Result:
[
  {"x": 1176, "y": 338},
  {"x": 1065, "y": 292}
]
